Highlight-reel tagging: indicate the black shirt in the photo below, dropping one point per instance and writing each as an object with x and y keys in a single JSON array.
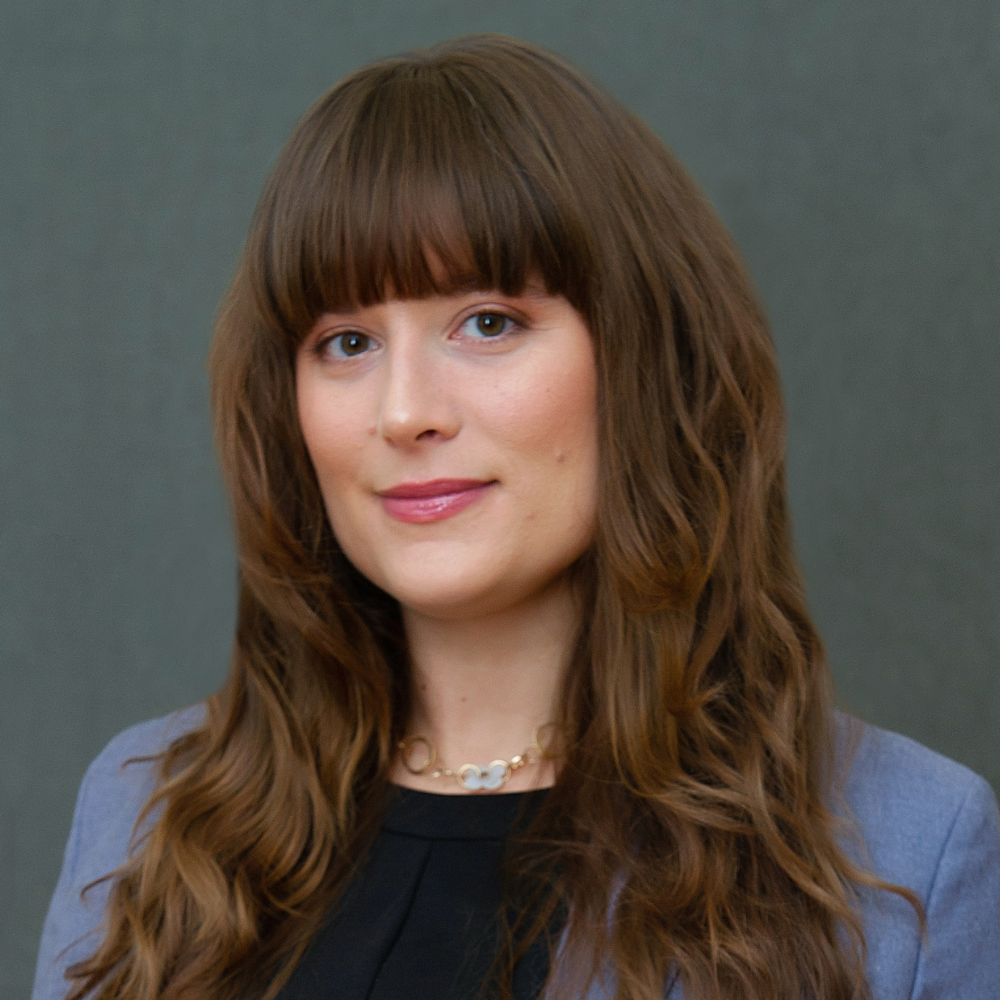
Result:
[{"x": 420, "y": 919}]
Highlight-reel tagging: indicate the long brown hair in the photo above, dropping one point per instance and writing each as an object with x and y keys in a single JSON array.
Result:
[{"x": 694, "y": 801}]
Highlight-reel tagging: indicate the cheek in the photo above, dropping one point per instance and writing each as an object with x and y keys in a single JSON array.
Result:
[
  {"x": 334, "y": 437},
  {"x": 547, "y": 421}
]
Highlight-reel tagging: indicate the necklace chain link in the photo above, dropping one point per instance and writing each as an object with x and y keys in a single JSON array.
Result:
[{"x": 473, "y": 777}]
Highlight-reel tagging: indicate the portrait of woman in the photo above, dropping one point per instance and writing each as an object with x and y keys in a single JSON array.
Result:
[{"x": 525, "y": 698}]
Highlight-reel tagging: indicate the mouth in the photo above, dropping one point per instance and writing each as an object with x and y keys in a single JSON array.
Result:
[{"x": 435, "y": 500}]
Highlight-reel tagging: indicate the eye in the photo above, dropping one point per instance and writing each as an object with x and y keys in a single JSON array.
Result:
[
  {"x": 348, "y": 345},
  {"x": 487, "y": 325}
]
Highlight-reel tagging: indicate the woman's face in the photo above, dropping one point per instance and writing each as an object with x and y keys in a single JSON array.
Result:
[{"x": 455, "y": 443}]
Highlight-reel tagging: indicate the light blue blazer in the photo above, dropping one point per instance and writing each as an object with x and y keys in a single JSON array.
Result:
[{"x": 926, "y": 823}]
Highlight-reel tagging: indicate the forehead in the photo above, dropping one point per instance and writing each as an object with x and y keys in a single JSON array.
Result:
[
  {"x": 433, "y": 273},
  {"x": 533, "y": 297},
  {"x": 406, "y": 190}
]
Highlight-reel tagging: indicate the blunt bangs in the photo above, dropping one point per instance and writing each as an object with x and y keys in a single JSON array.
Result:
[{"x": 411, "y": 180}]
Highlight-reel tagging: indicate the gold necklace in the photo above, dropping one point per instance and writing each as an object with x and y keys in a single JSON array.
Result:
[{"x": 473, "y": 777}]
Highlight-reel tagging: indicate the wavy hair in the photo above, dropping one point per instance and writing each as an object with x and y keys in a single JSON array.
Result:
[{"x": 694, "y": 802}]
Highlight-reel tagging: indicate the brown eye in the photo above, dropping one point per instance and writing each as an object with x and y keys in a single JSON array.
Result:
[
  {"x": 350, "y": 345},
  {"x": 490, "y": 324}
]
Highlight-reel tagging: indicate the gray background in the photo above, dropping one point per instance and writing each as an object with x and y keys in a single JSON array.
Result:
[{"x": 852, "y": 147}]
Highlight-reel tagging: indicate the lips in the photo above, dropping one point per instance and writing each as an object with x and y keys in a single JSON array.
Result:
[{"x": 435, "y": 500}]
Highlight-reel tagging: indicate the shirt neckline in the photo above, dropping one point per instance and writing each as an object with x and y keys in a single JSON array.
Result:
[{"x": 434, "y": 816}]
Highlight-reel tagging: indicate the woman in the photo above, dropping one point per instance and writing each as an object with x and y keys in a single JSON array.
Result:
[{"x": 524, "y": 689}]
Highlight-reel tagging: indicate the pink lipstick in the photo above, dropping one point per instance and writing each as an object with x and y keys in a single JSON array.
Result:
[{"x": 420, "y": 503}]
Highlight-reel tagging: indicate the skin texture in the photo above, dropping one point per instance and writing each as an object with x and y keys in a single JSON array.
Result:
[{"x": 476, "y": 386}]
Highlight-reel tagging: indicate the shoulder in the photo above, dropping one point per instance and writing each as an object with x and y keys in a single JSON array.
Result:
[
  {"x": 903, "y": 796},
  {"x": 116, "y": 786},
  {"x": 127, "y": 759},
  {"x": 930, "y": 824}
]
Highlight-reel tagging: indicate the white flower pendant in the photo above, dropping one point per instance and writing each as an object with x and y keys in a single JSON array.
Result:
[{"x": 484, "y": 779}]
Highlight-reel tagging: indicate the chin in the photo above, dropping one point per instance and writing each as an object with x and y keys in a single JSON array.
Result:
[
  {"x": 455, "y": 590},
  {"x": 449, "y": 596},
  {"x": 454, "y": 579}
]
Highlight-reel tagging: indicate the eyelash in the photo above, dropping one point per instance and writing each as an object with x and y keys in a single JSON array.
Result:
[
  {"x": 326, "y": 344},
  {"x": 509, "y": 322}
]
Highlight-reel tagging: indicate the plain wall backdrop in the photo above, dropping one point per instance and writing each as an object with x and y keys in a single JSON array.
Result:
[{"x": 851, "y": 145}]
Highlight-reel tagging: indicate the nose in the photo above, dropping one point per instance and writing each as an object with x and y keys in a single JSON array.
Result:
[{"x": 415, "y": 405}]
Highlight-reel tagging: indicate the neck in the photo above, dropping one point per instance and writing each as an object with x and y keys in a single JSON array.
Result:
[{"x": 481, "y": 687}]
